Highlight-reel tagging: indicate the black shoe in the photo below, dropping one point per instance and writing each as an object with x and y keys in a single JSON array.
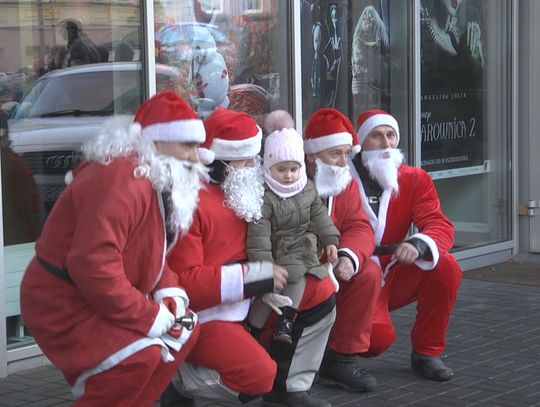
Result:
[
  {"x": 283, "y": 332},
  {"x": 430, "y": 367},
  {"x": 172, "y": 398},
  {"x": 344, "y": 371},
  {"x": 293, "y": 399}
]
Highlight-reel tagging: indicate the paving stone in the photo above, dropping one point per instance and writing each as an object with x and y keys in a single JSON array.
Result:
[{"x": 492, "y": 344}]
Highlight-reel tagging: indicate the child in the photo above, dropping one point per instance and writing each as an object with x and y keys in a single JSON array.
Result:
[{"x": 292, "y": 213}]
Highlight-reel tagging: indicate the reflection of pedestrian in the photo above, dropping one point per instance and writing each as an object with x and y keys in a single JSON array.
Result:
[
  {"x": 80, "y": 48},
  {"x": 20, "y": 195},
  {"x": 55, "y": 57}
]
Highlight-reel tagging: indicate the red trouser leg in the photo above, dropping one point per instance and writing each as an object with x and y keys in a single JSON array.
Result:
[
  {"x": 135, "y": 382},
  {"x": 435, "y": 292},
  {"x": 355, "y": 304},
  {"x": 382, "y": 329},
  {"x": 165, "y": 371},
  {"x": 242, "y": 363}
]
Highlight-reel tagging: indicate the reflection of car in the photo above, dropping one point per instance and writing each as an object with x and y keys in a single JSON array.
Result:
[
  {"x": 175, "y": 42},
  {"x": 65, "y": 107}
]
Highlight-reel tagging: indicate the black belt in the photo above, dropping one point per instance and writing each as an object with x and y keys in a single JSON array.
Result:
[
  {"x": 385, "y": 249},
  {"x": 61, "y": 273}
]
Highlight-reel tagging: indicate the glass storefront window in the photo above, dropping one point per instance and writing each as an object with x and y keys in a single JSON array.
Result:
[
  {"x": 65, "y": 67},
  {"x": 466, "y": 110},
  {"x": 231, "y": 54},
  {"x": 355, "y": 57}
]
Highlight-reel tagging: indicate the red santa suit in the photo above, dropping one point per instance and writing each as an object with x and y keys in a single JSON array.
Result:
[
  {"x": 210, "y": 263},
  {"x": 356, "y": 298},
  {"x": 97, "y": 327},
  {"x": 433, "y": 282}
]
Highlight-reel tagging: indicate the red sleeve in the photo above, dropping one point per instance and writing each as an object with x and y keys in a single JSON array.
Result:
[
  {"x": 427, "y": 214},
  {"x": 353, "y": 224},
  {"x": 202, "y": 282}
]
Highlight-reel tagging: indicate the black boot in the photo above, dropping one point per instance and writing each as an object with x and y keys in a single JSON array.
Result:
[
  {"x": 344, "y": 370},
  {"x": 283, "y": 331},
  {"x": 293, "y": 399},
  {"x": 430, "y": 367},
  {"x": 173, "y": 398}
]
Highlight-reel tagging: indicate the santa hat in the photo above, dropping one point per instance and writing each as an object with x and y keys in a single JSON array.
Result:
[
  {"x": 283, "y": 145},
  {"x": 370, "y": 119},
  {"x": 327, "y": 128},
  {"x": 167, "y": 117},
  {"x": 230, "y": 136}
]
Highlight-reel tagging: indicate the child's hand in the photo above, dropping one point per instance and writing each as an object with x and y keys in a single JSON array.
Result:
[
  {"x": 280, "y": 277},
  {"x": 331, "y": 253}
]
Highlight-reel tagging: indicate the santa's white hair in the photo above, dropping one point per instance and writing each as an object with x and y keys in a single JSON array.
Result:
[{"x": 121, "y": 137}]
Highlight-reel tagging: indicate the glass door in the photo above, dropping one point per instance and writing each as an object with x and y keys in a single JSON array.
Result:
[{"x": 466, "y": 110}]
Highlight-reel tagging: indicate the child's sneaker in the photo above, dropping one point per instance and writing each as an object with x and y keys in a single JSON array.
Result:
[{"x": 283, "y": 332}]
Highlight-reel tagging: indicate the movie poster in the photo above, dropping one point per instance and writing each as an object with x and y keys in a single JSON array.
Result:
[
  {"x": 370, "y": 56},
  {"x": 345, "y": 55},
  {"x": 453, "y": 63},
  {"x": 325, "y": 54}
]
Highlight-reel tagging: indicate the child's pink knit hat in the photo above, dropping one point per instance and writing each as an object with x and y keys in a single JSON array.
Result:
[{"x": 283, "y": 145}]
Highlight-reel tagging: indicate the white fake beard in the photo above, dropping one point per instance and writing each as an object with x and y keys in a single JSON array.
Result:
[
  {"x": 244, "y": 190},
  {"x": 183, "y": 179},
  {"x": 383, "y": 165},
  {"x": 187, "y": 181},
  {"x": 330, "y": 180}
]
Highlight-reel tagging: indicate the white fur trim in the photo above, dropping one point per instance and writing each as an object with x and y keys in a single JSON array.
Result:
[
  {"x": 258, "y": 271},
  {"x": 234, "y": 311},
  {"x": 206, "y": 156},
  {"x": 367, "y": 207},
  {"x": 238, "y": 149},
  {"x": 185, "y": 131},
  {"x": 232, "y": 283},
  {"x": 316, "y": 145},
  {"x": 423, "y": 264},
  {"x": 171, "y": 292},
  {"x": 374, "y": 121},
  {"x": 356, "y": 149},
  {"x": 356, "y": 261},
  {"x": 68, "y": 178},
  {"x": 78, "y": 388}
]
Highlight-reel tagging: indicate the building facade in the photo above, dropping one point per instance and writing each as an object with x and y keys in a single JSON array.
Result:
[{"x": 461, "y": 76}]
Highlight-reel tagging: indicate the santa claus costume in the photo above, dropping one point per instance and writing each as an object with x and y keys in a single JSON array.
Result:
[
  {"x": 211, "y": 263},
  {"x": 94, "y": 296},
  {"x": 327, "y": 129},
  {"x": 433, "y": 280}
]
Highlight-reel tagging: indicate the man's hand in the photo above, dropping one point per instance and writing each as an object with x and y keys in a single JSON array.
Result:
[
  {"x": 344, "y": 268},
  {"x": 280, "y": 277},
  {"x": 406, "y": 253},
  {"x": 331, "y": 253}
]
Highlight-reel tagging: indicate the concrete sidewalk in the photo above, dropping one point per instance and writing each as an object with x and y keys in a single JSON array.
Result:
[{"x": 493, "y": 345}]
